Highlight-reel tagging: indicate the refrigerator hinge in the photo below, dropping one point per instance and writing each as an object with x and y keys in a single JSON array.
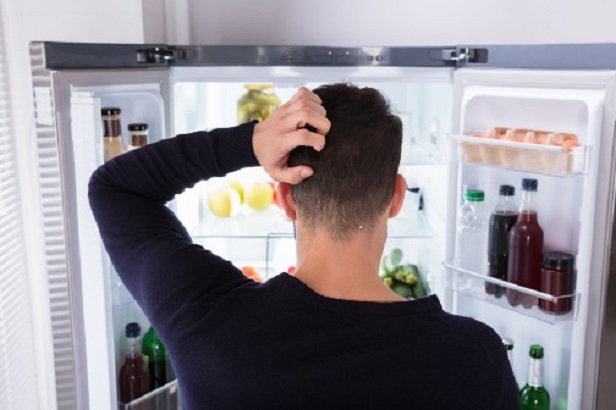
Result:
[
  {"x": 161, "y": 55},
  {"x": 463, "y": 55}
]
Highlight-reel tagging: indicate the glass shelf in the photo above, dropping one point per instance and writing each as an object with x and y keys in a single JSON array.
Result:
[
  {"x": 416, "y": 154},
  {"x": 272, "y": 222},
  {"x": 528, "y": 302},
  {"x": 166, "y": 397},
  {"x": 523, "y": 156}
]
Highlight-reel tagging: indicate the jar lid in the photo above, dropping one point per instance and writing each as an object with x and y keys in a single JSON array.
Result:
[
  {"x": 558, "y": 261},
  {"x": 506, "y": 190},
  {"x": 529, "y": 184},
  {"x": 138, "y": 126},
  {"x": 258, "y": 86},
  {"x": 111, "y": 111},
  {"x": 133, "y": 329},
  {"x": 474, "y": 195}
]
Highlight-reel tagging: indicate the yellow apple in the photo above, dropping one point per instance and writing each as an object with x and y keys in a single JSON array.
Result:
[
  {"x": 224, "y": 202},
  {"x": 239, "y": 188},
  {"x": 259, "y": 196}
]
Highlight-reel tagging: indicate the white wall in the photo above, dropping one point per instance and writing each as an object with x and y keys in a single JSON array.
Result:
[
  {"x": 400, "y": 22},
  {"x": 52, "y": 20}
]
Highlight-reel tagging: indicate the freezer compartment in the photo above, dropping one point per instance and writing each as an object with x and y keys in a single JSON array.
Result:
[
  {"x": 523, "y": 156},
  {"x": 166, "y": 397},
  {"x": 528, "y": 302}
]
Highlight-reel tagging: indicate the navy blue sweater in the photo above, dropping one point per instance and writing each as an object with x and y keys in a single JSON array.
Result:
[{"x": 237, "y": 344}]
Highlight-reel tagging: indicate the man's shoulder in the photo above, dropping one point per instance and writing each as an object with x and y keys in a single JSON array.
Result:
[{"x": 471, "y": 333}]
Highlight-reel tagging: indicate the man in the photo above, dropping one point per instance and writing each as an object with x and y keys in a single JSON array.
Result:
[{"x": 330, "y": 337}]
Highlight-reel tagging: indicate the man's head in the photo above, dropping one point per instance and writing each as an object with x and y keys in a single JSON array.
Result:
[{"x": 355, "y": 174}]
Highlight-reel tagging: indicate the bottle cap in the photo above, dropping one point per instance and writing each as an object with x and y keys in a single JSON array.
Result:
[
  {"x": 529, "y": 184},
  {"x": 506, "y": 190},
  {"x": 507, "y": 343},
  {"x": 474, "y": 195},
  {"x": 111, "y": 111},
  {"x": 133, "y": 329},
  {"x": 559, "y": 261},
  {"x": 138, "y": 126},
  {"x": 536, "y": 352}
]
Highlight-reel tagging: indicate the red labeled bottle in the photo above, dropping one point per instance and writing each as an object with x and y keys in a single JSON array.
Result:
[
  {"x": 134, "y": 376},
  {"x": 525, "y": 248}
]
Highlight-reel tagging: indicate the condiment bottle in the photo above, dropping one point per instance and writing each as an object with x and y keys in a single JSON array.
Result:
[
  {"x": 557, "y": 278},
  {"x": 134, "y": 376},
  {"x": 112, "y": 134},
  {"x": 525, "y": 247},
  {"x": 138, "y": 134},
  {"x": 504, "y": 216}
]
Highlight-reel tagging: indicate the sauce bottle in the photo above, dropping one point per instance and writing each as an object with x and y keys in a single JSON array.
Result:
[
  {"x": 504, "y": 216},
  {"x": 557, "y": 278},
  {"x": 134, "y": 376},
  {"x": 525, "y": 248},
  {"x": 112, "y": 134},
  {"x": 138, "y": 134}
]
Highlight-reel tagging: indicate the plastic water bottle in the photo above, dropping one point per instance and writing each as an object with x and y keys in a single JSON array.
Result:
[{"x": 472, "y": 234}]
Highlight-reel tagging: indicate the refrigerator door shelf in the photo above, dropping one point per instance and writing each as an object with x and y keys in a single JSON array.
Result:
[
  {"x": 523, "y": 156},
  {"x": 165, "y": 397},
  {"x": 528, "y": 301}
]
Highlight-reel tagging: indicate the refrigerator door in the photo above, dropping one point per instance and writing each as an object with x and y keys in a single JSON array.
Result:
[
  {"x": 574, "y": 208},
  {"x": 69, "y": 139}
]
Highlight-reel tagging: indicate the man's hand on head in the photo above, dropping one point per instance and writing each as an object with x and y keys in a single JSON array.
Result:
[{"x": 287, "y": 128}]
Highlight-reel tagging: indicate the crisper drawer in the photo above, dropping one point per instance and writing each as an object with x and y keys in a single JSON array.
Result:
[{"x": 166, "y": 397}]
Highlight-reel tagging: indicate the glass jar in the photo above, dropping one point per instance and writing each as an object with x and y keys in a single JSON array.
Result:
[
  {"x": 557, "y": 278},
  {"x": 257, "y": 103},
  {"x": 112, "y": 133},
  {"x": 138, "y": 134}
]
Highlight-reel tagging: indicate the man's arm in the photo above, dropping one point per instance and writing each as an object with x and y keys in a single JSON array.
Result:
[{"x": 150, "y": 249}]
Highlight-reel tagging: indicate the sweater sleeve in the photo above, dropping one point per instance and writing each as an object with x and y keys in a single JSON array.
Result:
[{"x": 148, "y": 246}]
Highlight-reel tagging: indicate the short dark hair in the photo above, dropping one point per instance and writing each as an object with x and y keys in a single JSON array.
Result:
[{"x": 355, "y": 174}]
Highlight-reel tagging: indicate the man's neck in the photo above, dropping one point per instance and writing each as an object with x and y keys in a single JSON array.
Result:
[{"x": 345, "y": 269}]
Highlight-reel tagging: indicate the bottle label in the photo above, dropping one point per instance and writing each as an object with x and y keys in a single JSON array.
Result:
[{"x": 535, "y": 373}]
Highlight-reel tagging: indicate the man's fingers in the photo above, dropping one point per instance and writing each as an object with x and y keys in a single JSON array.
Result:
[
  {"x": 307, "y": 115},
  {"x": 294, "y": 175},
  {"x": 303, "y": 137},
  {"x": 305, "y": 93}
]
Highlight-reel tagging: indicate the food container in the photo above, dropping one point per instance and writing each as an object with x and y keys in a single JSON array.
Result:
[
  {"x": 489, "y": 153},
  {"x": 257, "y": 103}
]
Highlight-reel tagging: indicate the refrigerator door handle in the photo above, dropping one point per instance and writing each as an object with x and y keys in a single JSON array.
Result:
[{"x": 460, "y": 56}]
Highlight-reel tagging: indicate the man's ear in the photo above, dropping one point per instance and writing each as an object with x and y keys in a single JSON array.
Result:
[
  {"x": 286, "y": 200},
  {"x": 398, "y": 198}
]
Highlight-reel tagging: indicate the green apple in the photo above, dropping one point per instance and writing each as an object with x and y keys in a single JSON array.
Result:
[
  {"x": 259, "y": 196},
  {"x": 239, "y": 188},
  {"x": 224, "y": 202}
]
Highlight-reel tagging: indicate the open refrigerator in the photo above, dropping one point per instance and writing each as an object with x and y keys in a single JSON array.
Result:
[{"x": 442, "y": 94}]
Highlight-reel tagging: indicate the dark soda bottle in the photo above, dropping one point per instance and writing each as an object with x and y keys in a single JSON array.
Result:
[
  {"x": 504, "y": 216},
  {"x": 525, "y": 248},
  {"x": 134, "y": 377}
]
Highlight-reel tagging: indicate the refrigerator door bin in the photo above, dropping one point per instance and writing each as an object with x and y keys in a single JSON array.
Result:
[
  {"x": 528, "y": 302},
  {"x": 165, "y": 397},
  {"x": 523, "y": 156}
]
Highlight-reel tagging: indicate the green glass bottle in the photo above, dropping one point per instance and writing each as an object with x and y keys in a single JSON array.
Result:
[
  {"x": 534, "y": 396},
  {"x": 508, "y": 345},
  {"x": 156, "y": 353}
]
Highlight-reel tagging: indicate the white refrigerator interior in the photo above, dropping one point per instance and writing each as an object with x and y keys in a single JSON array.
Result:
[{"x": 436, "y": 107}]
